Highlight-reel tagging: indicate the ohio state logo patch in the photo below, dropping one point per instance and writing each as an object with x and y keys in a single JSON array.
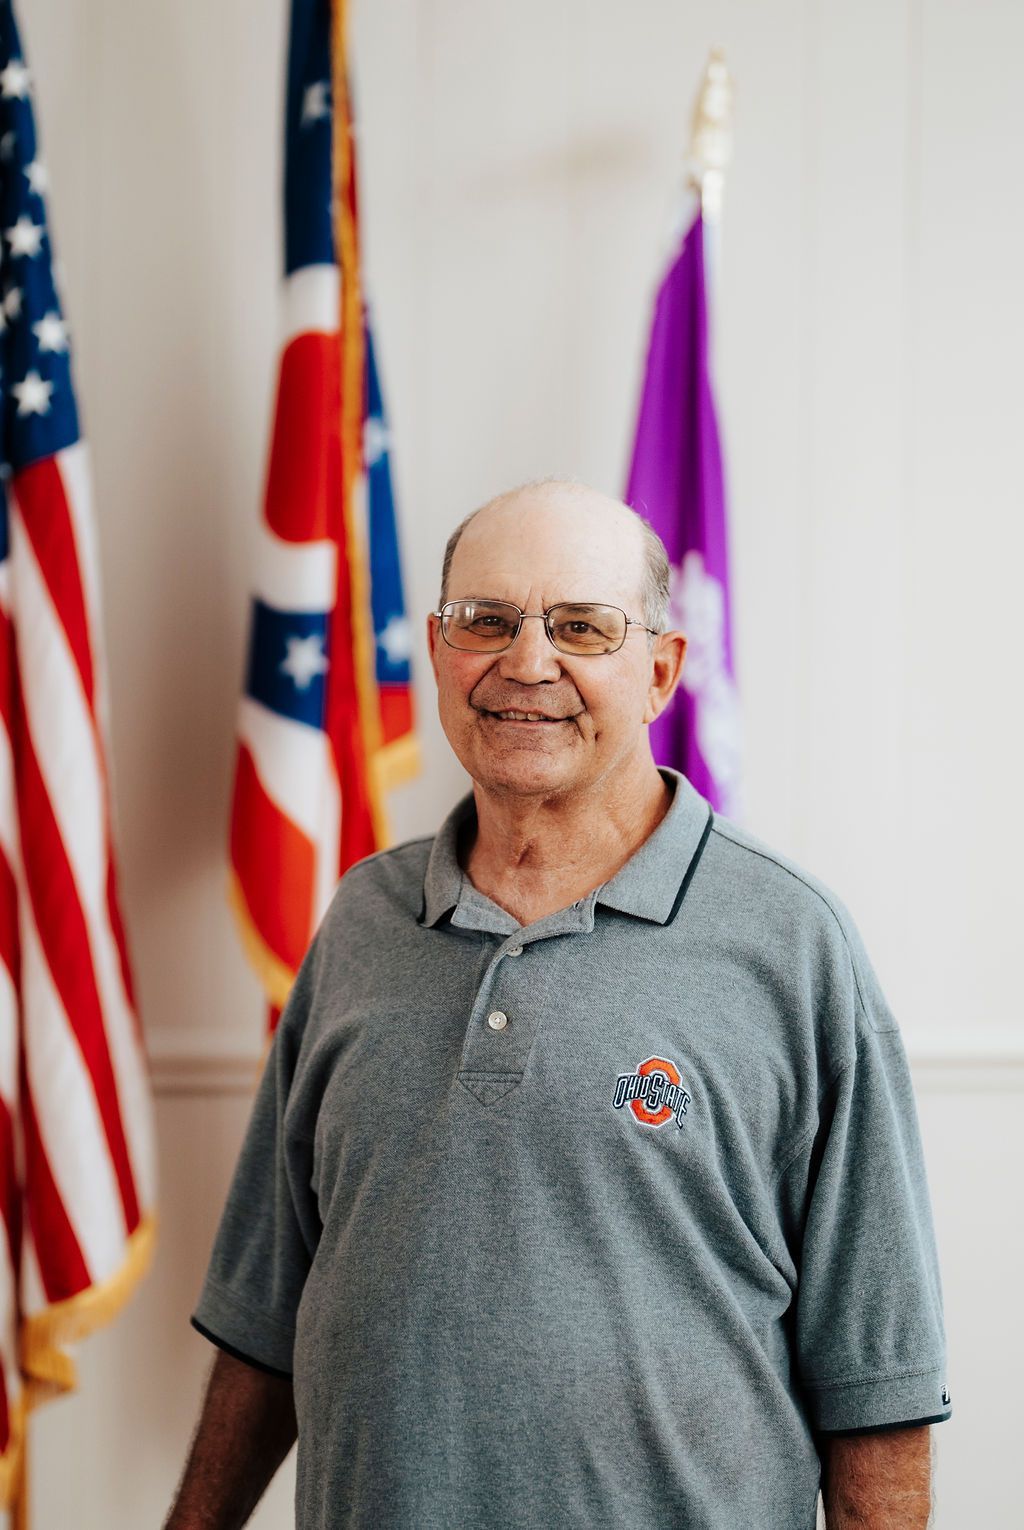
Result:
[{"x": 654, "y": 1093}]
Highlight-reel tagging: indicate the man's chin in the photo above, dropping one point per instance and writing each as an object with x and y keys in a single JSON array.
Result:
[{"x": 524, "y": 771}]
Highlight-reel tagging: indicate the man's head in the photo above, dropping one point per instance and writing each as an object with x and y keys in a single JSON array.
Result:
[
  {"x": 535, "y": 547},
  {"x": 654, "y": 584}
]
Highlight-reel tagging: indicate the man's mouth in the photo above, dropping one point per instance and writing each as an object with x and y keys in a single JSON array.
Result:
[{"x": 522, "y": 717}]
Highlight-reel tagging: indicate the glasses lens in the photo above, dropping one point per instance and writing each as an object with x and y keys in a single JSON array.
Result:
[
  {"x": 587, "y": 628},
  {"x": 484, "y": 626}
]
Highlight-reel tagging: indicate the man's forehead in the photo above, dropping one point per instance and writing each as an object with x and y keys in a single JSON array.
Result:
[{"x": 574, "y": 544}]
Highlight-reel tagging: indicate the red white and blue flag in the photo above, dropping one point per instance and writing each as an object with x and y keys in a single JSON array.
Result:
[
  {"x": 325, "y": 726},
  {"x": 77, "y": 1175}
]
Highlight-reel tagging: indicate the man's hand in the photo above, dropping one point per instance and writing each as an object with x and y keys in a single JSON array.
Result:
[
  {"x": 878, "y": 1481},
  {"x": 246, "y": 1429}
]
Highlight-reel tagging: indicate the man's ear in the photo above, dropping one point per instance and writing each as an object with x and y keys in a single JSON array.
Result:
[
  {"x": 434, "y": 638},
  {"x": 669, "y": 657}
]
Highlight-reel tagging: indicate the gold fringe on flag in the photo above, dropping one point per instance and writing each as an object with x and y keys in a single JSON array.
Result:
[
  {"x": 275, "y": 976},
  {"x": 397, "y": 762},
  {"x": 46, "y": 1370},
  {"x": 353, "y": 386}
]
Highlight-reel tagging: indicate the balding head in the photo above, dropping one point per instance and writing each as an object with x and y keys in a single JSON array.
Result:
[
  {"x": 559, "y": 507},
  {"x": 530, "y": 720}
]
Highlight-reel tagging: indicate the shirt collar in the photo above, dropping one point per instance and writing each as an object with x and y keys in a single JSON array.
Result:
[
  {"x": 651, "y": 884},
  {"x": 443, "y": 882}
]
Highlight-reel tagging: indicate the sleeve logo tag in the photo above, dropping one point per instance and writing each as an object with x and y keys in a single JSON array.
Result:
[{"x": 654, "y": 1093}]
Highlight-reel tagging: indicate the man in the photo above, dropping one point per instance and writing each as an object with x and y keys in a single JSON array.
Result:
[{"x": 583, "y": 1186}]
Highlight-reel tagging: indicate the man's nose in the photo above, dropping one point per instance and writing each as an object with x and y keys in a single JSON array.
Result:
[{"x": 532, "y": 657}]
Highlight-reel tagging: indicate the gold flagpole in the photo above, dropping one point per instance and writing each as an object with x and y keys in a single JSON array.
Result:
[{"x": 711, "y": 136}]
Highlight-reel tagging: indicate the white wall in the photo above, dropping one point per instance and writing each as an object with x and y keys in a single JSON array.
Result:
[{"x": 519, "y": 165}]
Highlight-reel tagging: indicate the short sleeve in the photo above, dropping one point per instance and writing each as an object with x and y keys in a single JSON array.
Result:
[
  {"x": 869, "y": 1329},
  {"x": 270, "y": 1227}
]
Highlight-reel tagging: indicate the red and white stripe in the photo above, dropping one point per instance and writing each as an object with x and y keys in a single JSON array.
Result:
[{"x": 72, "y": 1068}]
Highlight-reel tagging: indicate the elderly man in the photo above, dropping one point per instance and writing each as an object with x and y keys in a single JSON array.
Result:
[{"x": 583, "y": 1187}]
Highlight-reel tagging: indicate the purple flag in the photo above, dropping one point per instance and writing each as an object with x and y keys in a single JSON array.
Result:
[{"x": 676, "y": 482}]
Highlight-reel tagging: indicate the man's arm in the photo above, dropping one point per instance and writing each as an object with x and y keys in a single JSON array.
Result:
[
  {"x": 880, "y": 1481},
  {"x": 245, "y": 1430}
]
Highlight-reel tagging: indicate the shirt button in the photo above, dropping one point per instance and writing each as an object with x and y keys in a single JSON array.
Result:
[
  {"x": 496, "y": 1020},
  {"x": 514, "y": 951}
]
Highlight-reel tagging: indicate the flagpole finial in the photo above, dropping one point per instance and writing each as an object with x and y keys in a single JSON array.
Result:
[{"x": 711, "y": 135}]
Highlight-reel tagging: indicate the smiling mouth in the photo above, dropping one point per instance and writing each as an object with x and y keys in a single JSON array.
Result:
[{"x": 522, "y": 717}]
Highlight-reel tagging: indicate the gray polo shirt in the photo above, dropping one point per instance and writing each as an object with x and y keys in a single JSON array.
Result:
[{"x": 594, "y": 1222}]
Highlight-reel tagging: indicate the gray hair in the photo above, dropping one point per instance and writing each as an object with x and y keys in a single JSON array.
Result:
[{"x": 654, "y": 585}]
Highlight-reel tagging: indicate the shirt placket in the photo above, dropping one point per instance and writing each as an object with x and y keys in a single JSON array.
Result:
[{"x": 510, "y": 1002}]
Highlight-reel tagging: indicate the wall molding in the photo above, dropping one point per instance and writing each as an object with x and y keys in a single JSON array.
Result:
[
  {"x": 185, "y": 1060},
  {"x": 987, "y": 1058}
]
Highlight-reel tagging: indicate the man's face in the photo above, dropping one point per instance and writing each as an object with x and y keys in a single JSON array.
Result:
[{"x": 535, "y": 552}]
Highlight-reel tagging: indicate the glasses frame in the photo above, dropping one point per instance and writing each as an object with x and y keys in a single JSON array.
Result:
[{"x": 543, "y": 616}]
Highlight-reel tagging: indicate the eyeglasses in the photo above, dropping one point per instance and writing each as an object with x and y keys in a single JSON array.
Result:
[{"x": 491, "y": 626}]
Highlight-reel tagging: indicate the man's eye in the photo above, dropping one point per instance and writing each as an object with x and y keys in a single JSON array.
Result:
[{"x": 489, "y": 624}]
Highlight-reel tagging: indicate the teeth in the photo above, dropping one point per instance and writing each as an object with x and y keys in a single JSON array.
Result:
[{"x": 524, "y": 717}]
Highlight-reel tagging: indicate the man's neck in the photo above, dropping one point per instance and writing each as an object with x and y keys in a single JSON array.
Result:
[{"x": 533, "y": 856}]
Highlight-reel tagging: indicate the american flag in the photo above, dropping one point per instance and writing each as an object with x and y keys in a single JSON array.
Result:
[
  {"x": 325, "y": 724},
  {"x": 76, "y": 1146}
]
